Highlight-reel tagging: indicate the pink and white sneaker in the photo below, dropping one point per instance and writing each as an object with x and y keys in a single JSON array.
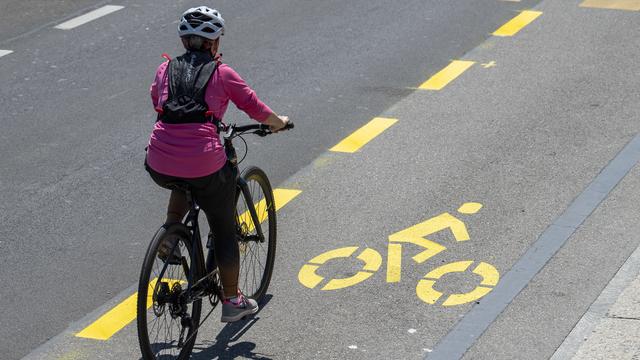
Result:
[{"x": 236, "y": 308}]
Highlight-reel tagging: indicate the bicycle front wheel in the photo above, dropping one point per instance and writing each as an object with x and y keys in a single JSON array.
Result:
[
  {"x": 167, "y": 322},
  {"x": 257, "y": 254}
]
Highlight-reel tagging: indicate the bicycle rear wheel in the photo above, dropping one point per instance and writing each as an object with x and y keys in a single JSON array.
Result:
[
  {"x": 256, "y": 257},
  {"x": 162, "y": 315}
]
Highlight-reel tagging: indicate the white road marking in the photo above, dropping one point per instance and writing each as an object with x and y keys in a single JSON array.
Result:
[
  {"x": 90, "y": 16},
  {"x": 353, "y": 347},
  {"x": 412, "y": 331},
  {"x": 5, "y": 52}
]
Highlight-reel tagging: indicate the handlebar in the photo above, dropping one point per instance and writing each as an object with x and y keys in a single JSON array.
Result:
[
  {"x": 233, "y": 131},
  {"x": 260, "y": 129}
]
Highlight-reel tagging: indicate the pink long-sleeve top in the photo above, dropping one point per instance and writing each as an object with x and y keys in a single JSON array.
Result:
[{"x": 195, "y": 150}]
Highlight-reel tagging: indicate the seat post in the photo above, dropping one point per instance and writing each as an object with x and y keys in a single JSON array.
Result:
[{"x": 186, "y": 189}]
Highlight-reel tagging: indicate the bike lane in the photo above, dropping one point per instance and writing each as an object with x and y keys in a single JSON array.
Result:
[
  {"x": 76, "y": 192},
  {"x": 445, "y": 200}
]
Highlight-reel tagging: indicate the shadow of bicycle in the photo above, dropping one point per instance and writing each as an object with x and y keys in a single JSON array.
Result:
[{"x": 230, "y": 333}]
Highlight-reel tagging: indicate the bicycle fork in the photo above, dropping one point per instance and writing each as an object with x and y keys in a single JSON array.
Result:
[{"x": 252, "y": 210}]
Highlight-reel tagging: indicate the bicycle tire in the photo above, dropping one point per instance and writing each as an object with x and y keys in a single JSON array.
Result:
[
  {"x": 250, "y": 251},
  {"x": 160, "y": 349}
]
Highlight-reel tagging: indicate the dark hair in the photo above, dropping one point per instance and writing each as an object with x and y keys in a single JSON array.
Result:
[{"x": 196, "y": 43}]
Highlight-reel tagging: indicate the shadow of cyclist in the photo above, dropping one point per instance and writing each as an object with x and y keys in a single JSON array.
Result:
[{"x": 231, "y": 332}]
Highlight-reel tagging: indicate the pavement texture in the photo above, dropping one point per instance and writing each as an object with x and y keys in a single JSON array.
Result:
[
  {"x": 523, "y": 138},
  {"x": 616, "y": 334},
  {"x": 22, "y": 18}
]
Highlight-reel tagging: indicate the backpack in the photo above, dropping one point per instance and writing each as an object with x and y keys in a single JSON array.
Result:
[{"x": 188, "y": 77}]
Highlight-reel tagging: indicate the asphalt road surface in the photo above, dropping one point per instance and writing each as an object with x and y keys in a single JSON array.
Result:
[{"x": 522, "y": 145}]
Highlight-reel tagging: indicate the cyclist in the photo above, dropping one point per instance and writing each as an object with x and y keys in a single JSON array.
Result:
[{"x": 185, "y": 145}]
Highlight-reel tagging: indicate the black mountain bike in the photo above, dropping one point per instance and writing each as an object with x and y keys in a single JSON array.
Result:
[{"x": 174, "y": 278}]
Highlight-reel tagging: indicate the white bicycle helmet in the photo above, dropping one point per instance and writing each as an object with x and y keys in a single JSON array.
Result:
[{"x": 201, "y": 21}]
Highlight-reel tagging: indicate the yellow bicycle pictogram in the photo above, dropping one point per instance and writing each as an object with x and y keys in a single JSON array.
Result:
[{"x": 415, "y": 235}]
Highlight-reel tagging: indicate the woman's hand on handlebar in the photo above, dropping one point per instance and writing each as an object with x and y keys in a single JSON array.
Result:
[
  {"x": 285, "y": 121},
  {"x": 276, "y": 122}
]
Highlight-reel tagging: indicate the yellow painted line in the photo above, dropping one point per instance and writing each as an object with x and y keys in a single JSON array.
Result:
[
  {"x": 517, "y": 23},
  {"x": 489, "y": 273},
  {"x": 446, "y": 75},
  {"x": 372, "y": 260},
  {"x": 426, "y": 292},
  {"x": 280, "y": 196},
  {"x": 470, "y": 208},
  {"x": 118, "y": 317},
  {"x": 308, "y": 277},
  {"x": 344, "y": 252},
  {"x": 113, "y": 321},
  {"x": 394, "y": 262},
  {"x": 336, "y": 284},
  {"x": 122, "y": 314},
  {"x": 459, "y": 266},
  {"x": 473, "y": 295},
  {"x": 632, "y": 5},
  {"x": 362, "y": 136}
]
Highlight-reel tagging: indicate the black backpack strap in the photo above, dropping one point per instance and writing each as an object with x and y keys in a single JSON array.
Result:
[{"x": 173, "y": 80}]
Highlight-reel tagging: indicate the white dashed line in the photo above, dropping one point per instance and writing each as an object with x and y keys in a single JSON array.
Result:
[
  {"x": 90, "y": 16},
  {"x": 5, "y": 52}
]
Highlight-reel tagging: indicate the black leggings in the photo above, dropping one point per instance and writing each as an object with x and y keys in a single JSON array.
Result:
[{"x": 216, "y": 195}]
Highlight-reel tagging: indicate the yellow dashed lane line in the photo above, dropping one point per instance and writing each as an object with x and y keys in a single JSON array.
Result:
[
  {"x": 115, "y": 319},
  {"x": 517, "y": 23},
  {"x": 630, "y": 5},
  {"x": 122, "y": 314},
  {"x": 362, "y": 136},
  {"x": 446, "y": 75}
]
